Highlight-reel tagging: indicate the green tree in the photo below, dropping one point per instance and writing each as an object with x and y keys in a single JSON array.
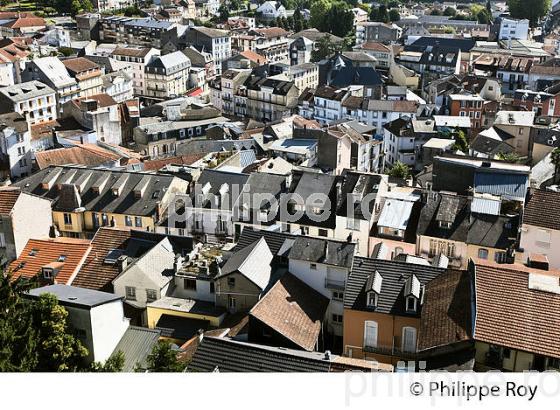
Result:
[
  {"x": 461, "y": 142},
  {"x": 380, "y": 14},
  {"x": 18, "y": 338},
  {"x": 511, "y": 157},
  {"x": 555, "y": 159},
  {"x": 450, "y": 11},
  {"x": 338, "y": 20},
  {"x": 435, "y": 12},
  {"x": 533, "y": 10},
  {"x": 164, "y": 359},
  {"x": 113, "y": 364},
  {"x": 324, "y": 48},
  {"x": 484, "y": 17},
  {"x": 319, "y": 9},
  {"x": 57, "y": 350},
  {"x": 223, "y": 12},
  {"x": 399, "y": 170},
  {"x": 394, "y": 15}
]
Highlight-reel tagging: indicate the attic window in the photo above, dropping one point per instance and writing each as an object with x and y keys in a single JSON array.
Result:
[
  {"x": 445, "y": 225},
  {"x": 33, "y": 252},
  {"x": 411, "y": 304},
  {"x": 112, "y": 256},
  {"x": 372, "y": 299},
  {"x": 155, "y": 195},
  {"x": 47, "y": 273},
  {"x": 61, "y": 258}
]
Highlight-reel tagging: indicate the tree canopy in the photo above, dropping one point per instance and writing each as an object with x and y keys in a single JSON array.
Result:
[
  {"x": 334, "y": 17},
  {"x": 399, "y": 170},
  {"x": 164, "y": 359},
  {"x": 34, "y": 335},
  {"x": 533, "y": 10}
]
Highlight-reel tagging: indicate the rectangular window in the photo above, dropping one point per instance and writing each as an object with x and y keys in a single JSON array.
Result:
[
  {"x": 409, "y": 339},
  {"x": 189, "y": 284},
  {"x": 95, "y": 219},
  {"x": 151, "y": 295},
  {"x": 336, "y": 318},
  {"x": 338, "y": 295},
  {"x": 104, "y": 219},
  {"x": 130, "y": 292},
  {"x": 128, "y": 220},
  {"x": 138, "y": 221},
  {"x": 370, "y": 333},
  {"x": 67, "y": 219},
  {"x": 313, "y": 266},
  {"x": 231, "y": 282},
  {"x": 483, "y": 253}
]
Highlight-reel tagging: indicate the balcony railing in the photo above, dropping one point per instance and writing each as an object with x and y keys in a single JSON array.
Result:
[{"x": 389, "y": 351}]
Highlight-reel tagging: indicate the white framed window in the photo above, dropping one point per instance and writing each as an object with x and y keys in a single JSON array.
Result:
[
  {"x": 483, "y": 253},
  {"x": 338, "y": 295},
  {"x": 127, "y": 220},
  {"x": 411, "y": 304},
  {"x": 370, "y": 333},
  {"x": 130, "y": 292},
  {"x": 138, "y": 221},
  {"x": 67, "y": 219},
  {"x": 372, "y": 299},
  {"x": 408, "y": 339},
  {"x": 151, "y": 295}
]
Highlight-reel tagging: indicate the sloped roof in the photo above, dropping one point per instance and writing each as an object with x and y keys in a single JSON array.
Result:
[
  {"x": 253, "y": 262},
  {"x": 446, "y": 313},
  {"x": 8, "y": 199},
  {"x": 49, "y": 251},
  {"x": 510, "y": 314},
  {"x": 294, "y": 310},
  {"x": 395, "y": 275},
  {"x": 136, "y": 344},
  {"x": 543, "y": 209},
  {"x": 85, "y": 154},
  {"x": 95, "y": 273}
]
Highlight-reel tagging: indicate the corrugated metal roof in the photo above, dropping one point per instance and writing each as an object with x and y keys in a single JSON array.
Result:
[
  {"x": 136, "y": 344},
  {"x": 511, "y": 186},
  {"x": 488, "y": 206}
]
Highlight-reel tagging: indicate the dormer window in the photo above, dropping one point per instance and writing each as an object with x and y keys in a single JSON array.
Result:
[
  {"x": 412, "y": 291},
  {"x": 411, "y": 304},
  {"x": 372, "y": 299},
  {"x": 445, "y": 225},
  {"x": 373, "y": 289},
  {"x": 48, "y": 273}
]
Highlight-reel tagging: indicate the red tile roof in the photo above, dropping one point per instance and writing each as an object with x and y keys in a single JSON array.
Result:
[
  {"x": 254, "y": 57},
  {"x": 510, "y": 314},
  {"x": 48, "y": 251},
  {"x": 157, "y": 164},
  {"x": 94, "y": 273},
  {"x": 8, "y": 198},
  {"x": 23, "y": 22},
  {"x": 86, "y": 154},
  {"x": 294, "y": 310}
]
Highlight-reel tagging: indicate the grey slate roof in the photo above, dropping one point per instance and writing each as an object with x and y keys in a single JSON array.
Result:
[
  {"x": 323, "y": 251},
  {"x": 226, "y": 355},
  {"x": 445, "y": 208},
  {"x": 105, "y": 201},
  {"x": 182, "y": 328},
  {"x": 274, "y": 240},
  {"x": 25, "y": 91},
  {"x": 395, "y": 274},
  {"x": 74, "y": 296},
  {"x": 136, "y": 344},
  {"x": 493, "y": 231}
]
